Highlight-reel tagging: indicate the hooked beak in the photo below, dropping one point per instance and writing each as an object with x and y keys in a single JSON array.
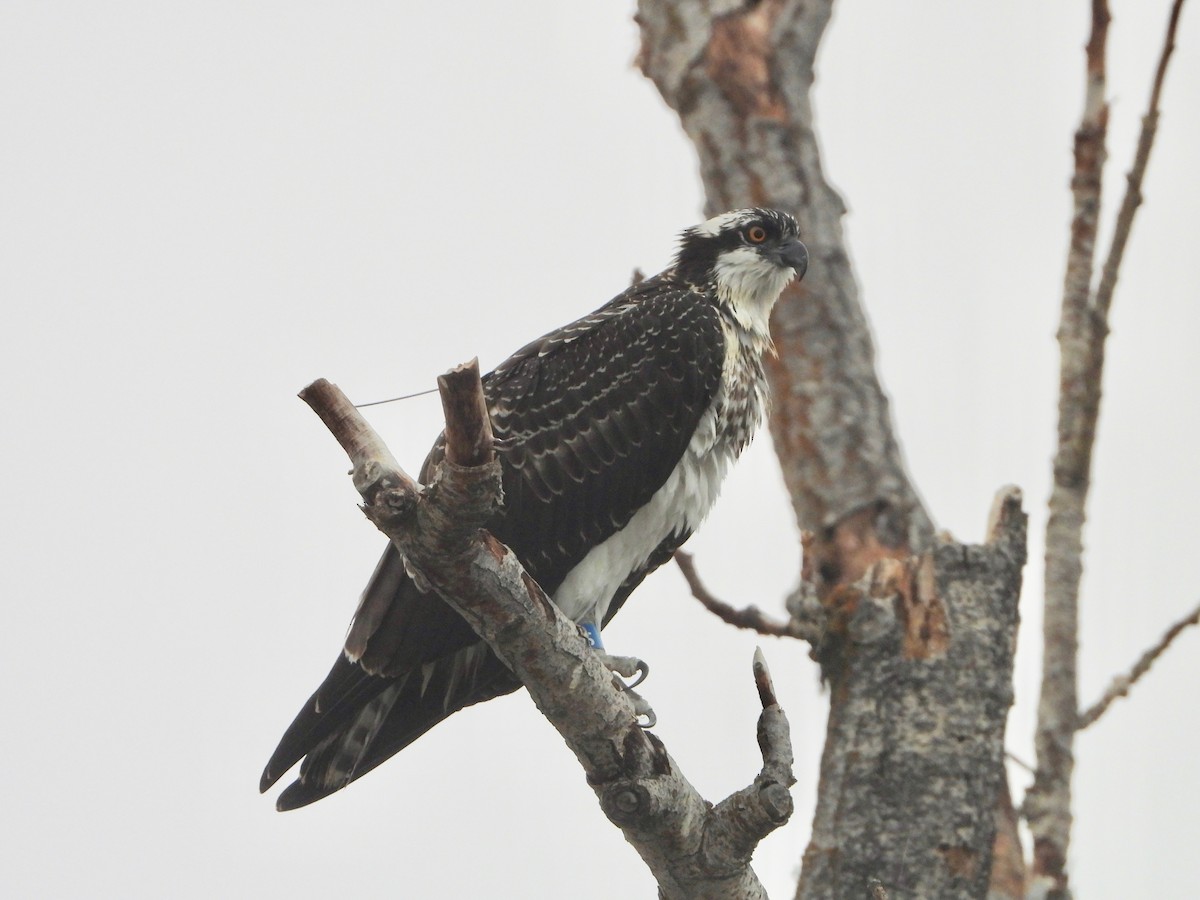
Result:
[{"x": 794, "y": 254}]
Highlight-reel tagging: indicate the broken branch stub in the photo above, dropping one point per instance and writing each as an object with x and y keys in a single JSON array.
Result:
[
  {"x": 920, "y": 671},
  {"x": 694, "y": 850}
]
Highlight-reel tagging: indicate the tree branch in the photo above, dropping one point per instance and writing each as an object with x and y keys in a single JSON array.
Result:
[
  {"x": 913, "y": 762},
  {"x": 693, "y": 849},
  {"x": 1048, "y": 801},
  {"x": 1133, "y": 192},
  {"x": 1122, "y": 684},
  {"x": 750, "y": 617},
  {"x": 739, "y": 75},
  {"x": 1082, "y": 333}
]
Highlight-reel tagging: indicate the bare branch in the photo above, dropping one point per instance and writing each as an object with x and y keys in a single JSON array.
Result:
[
  {"x": 763, "y": 681},
  {"x": 1012, "y": 757},
  {"x": 751, "y": 617},
  {"x": 1122, "y": 684},
  {"x": 692, "y": 848},
  {"x": 1048, "y": 801},
  {"x": 1082, "y": 333},
  {"x": 375, "y": 468},
  {"x": 744, "y": 818},
  {"x": 1133, "y": 192}
]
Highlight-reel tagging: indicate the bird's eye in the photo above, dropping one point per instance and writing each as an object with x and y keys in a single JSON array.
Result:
[{"x": 756, "y": 234}]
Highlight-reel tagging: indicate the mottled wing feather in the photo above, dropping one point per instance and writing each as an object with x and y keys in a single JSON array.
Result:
[
  {"x": 592, "y": 420},
  {"x": 595, "y": 418}
]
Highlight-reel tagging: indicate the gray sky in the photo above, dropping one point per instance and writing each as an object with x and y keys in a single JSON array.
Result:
[{"x": 203, "y": 207}]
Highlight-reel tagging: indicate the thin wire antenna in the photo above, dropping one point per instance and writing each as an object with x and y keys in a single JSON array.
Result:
[{"x": 394, "y": 399}]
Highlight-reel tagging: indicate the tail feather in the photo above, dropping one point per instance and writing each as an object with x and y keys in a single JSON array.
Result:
[
  {"x": 344, "y": 743},
  {"x": 345, "y": 690},
  {"x": 398, "y": 633}
]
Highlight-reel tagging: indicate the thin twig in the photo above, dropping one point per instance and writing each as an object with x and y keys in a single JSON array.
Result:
[
  {"x": 751, "y": 617},
  {"x": 1012, "y": 757},
  {"x": 1137, "y": 174},
  {"x": 1122, "y": 683}
]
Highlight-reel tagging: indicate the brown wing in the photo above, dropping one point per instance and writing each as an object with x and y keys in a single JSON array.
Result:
[{"x": 591, "y": 419}]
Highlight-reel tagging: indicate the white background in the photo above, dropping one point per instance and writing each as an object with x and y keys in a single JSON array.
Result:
[{"x": 203, "y": 207}]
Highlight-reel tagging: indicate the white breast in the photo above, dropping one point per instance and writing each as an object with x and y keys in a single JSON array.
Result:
[{"x": 686, "y": 497}]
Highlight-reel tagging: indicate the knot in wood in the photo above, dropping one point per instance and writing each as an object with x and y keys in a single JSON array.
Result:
[
  {"x": 391, "y": 506},
  {"x": 398, "y": 501},
  {"x": 809, "y": 616},
  {"x": 625, "y": 802},
  {"x": 776, "y": 801}
]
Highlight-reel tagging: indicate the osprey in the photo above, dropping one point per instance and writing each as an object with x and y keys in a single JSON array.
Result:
[{"x": 613, "y": 434}]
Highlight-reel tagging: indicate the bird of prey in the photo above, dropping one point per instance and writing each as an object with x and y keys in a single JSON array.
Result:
[{"x": 613, "y": 434}]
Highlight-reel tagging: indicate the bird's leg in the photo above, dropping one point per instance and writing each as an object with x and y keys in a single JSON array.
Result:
[{"x": 623, "y": 667}]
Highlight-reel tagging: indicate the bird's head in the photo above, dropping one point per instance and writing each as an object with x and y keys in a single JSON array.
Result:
[{"x": 748, "y": 256}]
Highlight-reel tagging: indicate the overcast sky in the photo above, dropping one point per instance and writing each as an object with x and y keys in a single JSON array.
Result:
[{"x": 205, "y": 206}]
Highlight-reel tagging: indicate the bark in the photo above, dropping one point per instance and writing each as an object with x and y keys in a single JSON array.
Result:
[
  {"x": 1082, "y": 333},
  {"x": 740, "y": 77},
  {"x": 693, "y": 848},
  {"x": 1048, "y": 802},
  {"x": 913, "y": 761}
]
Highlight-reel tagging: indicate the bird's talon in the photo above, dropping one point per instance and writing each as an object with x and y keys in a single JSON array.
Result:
[
  {"x": 642, "y": 672},
  {"x": 641, "y": 709},
  {"x": 626, "y": 667}
]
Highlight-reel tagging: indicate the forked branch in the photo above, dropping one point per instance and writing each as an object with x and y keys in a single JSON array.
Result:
[
  {"x": 1082, "y": 333},
  {"x": 692, "y": 848}
]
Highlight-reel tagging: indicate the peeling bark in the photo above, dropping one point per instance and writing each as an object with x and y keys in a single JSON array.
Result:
[
  {"x": 1008, "y": 859},
  {"x": 913, "y": 761}
]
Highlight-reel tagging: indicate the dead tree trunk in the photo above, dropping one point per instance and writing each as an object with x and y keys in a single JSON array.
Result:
[
  {"x": 914, "y": 754},
  {"x": 915, "y": 640},
  {"x": 913, "y": 764}
]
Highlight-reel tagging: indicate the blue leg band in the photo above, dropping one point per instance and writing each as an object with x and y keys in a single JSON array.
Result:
[{"x": 593, "y": 635}]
